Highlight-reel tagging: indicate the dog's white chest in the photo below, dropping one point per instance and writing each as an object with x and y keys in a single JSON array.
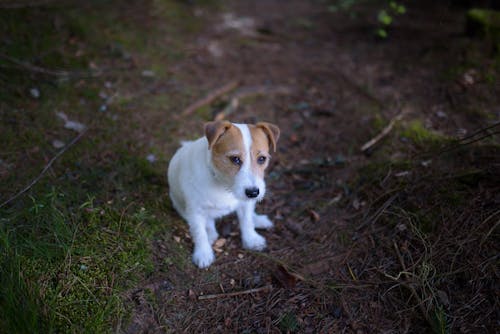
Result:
[{"x": 220, "y": 204}]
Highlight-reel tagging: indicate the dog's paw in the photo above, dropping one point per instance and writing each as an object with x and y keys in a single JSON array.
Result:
[
  {"x": 203, "y": 257},
  {"x": 261, "y": 221},
  {"x": 254, "y": 241}
]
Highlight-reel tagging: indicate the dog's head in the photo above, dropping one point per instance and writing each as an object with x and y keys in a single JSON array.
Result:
[{"x": 240, "y": 155}]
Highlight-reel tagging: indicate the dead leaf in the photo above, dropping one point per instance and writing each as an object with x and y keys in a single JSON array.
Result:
[
  {"x": 314, "y": 215},
  {"x": 286, "y": 278},
  {"x": 219, "y": 243}
]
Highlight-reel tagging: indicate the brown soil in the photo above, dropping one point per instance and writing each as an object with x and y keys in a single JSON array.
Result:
[{"x": 345, "y": 255}]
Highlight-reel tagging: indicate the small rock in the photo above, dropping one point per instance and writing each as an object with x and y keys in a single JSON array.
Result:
[
  {"x": 340, "y": 160},
  {"x": 441, "y": 114},
  {"x": 103, "y": 108},
  {"x": 426, "y": 163},
  {"x": 83, "y": 267},
  {"x": 177, "y": 238},
  {"x": 35, "y": 93},
  {"x": 167, "y": 286},
  {"x": 69, "y": 124},
  {"x": 148, "y": 73},
  {"x": 151, "y": 158},
  {"x": 355, "y": 204},
  {"x": 75, "y": 126},
  {"x": 58, "y": 143},
  {"x": 215, "y": 49},
  {"x": 240, "y": 256},
  {"x": 468, "y": 77}
]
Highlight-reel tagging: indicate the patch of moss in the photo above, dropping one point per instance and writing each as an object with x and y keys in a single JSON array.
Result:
[{"x": 419, "y": 135}]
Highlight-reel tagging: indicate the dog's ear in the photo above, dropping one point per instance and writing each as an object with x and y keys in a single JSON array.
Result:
[
  {"x": 214, "y": 130},
  {"x": 272, "y": 132}
]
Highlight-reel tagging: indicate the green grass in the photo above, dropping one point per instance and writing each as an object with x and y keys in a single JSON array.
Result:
[
  {"x": 67, "y": 265},
  {"x": 81, "y": 237}
]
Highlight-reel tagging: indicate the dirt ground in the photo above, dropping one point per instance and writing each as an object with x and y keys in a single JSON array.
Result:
[
  {"x": 400, "y": 238},
  {"x": 332, "y": 265}
]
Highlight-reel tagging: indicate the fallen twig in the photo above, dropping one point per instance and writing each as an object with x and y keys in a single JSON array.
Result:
[
  {"x": 55, "y": 73},
  {"x": 385, "y": 131},
  {"x": 236, "y": 293},
  {"x": 45, "y": 169},
  {"x": 26, "y": 4},
  {"x": 210, "y": 97},
  {"x": 249, "y": 92}
]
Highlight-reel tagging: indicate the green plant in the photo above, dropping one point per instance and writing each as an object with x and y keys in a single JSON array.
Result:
[{"x": 386, "y": 16}]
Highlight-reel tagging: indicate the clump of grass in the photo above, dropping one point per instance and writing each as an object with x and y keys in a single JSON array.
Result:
[
  {"x": 435, "y": 217},
  {"x": 68, "y": 266}
]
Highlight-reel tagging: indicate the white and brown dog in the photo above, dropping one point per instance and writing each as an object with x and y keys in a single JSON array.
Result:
[{"x": 218, "y": 174}]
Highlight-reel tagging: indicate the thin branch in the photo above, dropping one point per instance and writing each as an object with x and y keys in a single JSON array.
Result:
[
  {"x": 494, "y": 125},
  {"x": 37, "y": 69},
  {"x": 247, "y": 92},
  {"x": 468, "y": 140},
  {"x": 44, "y": 170},
  {"x": 25, "y": 4},
  {"x": 237, "y": 293},
  {"x": 210, "y": 97},
  {"x": 385, "y": 131}
]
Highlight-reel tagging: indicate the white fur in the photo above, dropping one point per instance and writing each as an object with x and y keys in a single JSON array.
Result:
[{"x": 200, "y": 195}]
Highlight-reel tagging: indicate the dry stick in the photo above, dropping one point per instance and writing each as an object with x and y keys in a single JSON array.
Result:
[
  {"x": 56, "y": 73},
  {"x": 237, "y": 293},
  {"x": 210, "y": 97},
  {"x": 382, "y": 134},
  {"x": 248, "y": 92},
  {"x": 411, "y": 288},
  {"x": 44, "y": 170},
  {"x": 21, "y": 4}
]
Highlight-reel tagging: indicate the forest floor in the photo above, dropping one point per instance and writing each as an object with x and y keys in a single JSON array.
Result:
[{"x": 400, "y": 238}]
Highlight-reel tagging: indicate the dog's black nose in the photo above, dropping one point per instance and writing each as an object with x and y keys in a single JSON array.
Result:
[{"x": 252, "y": 192}]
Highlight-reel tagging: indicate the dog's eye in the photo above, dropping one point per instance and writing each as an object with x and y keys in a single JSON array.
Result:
[
  {"x": 235, "y": 160},
  {"x": 261, "y": 160}
]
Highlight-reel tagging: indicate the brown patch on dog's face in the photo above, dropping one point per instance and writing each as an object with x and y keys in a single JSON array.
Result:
[
  {"x": 227, "y": 150},
  {"x": 259, "y": 152}
]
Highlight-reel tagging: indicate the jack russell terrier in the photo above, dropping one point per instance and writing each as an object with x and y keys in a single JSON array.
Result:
[{"x": 218, "y": 174}]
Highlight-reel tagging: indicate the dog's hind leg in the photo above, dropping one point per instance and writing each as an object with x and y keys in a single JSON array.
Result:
[
  {"x": 262, "y": 221},
  {"x": 211, "y": 231}
]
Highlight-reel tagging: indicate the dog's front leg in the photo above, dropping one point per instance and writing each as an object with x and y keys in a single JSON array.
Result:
[
  {"x": 249, "y": 238},
  {"x": 203, "y": 254}
]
